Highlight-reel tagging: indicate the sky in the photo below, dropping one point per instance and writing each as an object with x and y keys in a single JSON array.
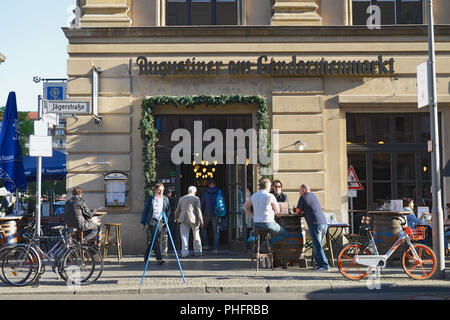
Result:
[{"x": 34, "y": 45}]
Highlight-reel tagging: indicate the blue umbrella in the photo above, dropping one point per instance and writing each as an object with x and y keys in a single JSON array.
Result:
[
  {"x": 11, "y": 162},
  {"x": 53, "y": 168}
]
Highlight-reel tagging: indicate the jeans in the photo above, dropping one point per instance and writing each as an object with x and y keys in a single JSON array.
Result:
[
  {"x": 317, "y": 233},
  {"x": 151, "y": 230},
  {"x": 92, "y": 231},
  {"x": 446, "y": 237},
  {"x": 278, "y": 232},
  {"x": 216, "y": 231},
  {"x": 184, "y": 230}
]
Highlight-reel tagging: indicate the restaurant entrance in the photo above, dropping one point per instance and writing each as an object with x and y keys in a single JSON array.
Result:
[{"x": 233, "y": 179}]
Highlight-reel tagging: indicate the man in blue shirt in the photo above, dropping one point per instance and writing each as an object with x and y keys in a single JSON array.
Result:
[{"x": 309, "y": 207}]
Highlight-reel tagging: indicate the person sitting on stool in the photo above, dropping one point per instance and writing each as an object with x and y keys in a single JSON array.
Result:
[{"x": 77, "y": 215}]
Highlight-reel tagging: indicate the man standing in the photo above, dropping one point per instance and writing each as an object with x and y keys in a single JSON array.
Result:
[
  {"x": 154, "y": 206},
  {"x": 189, "y": 215},
  {"x": 208, "y": 202},
  {"x": 265, "y": 207},
  {"x": 309, "y": 207},
  {"x": 77, "y": 215}
]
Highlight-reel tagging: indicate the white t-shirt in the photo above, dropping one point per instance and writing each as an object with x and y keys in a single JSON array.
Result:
[
  {"x": 158, "y": 204},
  {"x": 262, "y": 206}
]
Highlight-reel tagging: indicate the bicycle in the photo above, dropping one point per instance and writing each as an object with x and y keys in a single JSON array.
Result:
[
  {"x": 418, "y": 260},
  {"x": 23, "y": 263}
]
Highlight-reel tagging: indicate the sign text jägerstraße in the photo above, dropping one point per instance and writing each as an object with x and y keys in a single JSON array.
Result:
[
  {"x": 294, "y": 67},
  {"x": 75, "y": 107}
]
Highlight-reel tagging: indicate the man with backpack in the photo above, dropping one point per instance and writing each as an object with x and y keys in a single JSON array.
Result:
[{"x": 213, "y": 208}]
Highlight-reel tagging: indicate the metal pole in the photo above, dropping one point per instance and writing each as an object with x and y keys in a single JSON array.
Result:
[
  {"x": 38, "y": 181},
  {"x": 437, "y": 214}
]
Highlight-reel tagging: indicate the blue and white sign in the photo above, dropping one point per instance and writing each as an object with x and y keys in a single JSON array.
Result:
[{"x": 55, "y": 90}]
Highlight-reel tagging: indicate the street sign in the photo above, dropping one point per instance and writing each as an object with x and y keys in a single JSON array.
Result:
[
  {"x": 353, "y": 181},
  {"x": 72, "y": 107},
  {"x": 41, "y": 146},
  {"x": 422, "y": 85},
  {"x": 40, "y": 128},
  {"x": 352, "y": 193},
  {"x": 55, "y": 90}
]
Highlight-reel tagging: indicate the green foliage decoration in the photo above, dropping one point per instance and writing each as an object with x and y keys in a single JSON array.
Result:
[{"x": 149, "y": 133}]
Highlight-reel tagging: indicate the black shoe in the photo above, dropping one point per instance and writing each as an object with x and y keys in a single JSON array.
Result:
[{"x": 160, "y": 262}]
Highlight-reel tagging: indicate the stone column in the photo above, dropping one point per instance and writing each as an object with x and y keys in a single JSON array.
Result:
[
  {"x": 105, "y": 13},
  {"x": 295, "y": 13}
]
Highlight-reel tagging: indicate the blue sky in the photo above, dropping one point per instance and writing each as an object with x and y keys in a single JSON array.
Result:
[{"x": 34, "y": 45}]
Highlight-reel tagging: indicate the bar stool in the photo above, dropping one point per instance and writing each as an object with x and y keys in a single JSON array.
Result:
[
  {"x": 117, "y": 243},
  {"x": 258, "y": 233}
]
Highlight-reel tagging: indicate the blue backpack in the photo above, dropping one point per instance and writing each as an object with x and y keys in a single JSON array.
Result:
[{"x": 220, "y": 209}]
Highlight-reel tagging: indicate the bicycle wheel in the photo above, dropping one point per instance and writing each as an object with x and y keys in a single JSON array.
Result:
[
  {"x": 416, "y": 269},
  {"x": 20, "y": 265},
  {"x": 346, "y": 261},
  {"x": 77, "y": 265}
]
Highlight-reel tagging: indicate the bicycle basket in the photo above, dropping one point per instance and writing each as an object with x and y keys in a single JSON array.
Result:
[{"x": 416, "y": 234}]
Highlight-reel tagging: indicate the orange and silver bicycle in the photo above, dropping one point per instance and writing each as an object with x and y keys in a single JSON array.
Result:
[{"x": 356, "y": 260}]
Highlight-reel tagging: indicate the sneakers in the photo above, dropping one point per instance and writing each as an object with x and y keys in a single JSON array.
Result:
[
  {"x": 160, "y": 262},
  {"x": 321, "y": 269}
]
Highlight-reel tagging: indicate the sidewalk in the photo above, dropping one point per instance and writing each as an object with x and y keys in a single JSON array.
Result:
[{"x": 219, "y": 273}]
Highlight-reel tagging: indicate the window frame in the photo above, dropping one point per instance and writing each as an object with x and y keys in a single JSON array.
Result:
[
  {"x": 213, "y": 13},
  {"x": 397, "y": 9}
]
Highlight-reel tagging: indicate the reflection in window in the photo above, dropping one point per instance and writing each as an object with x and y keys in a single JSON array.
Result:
[
  {"x": 176, "y": 12},
  {"x": 380, "y": 130},
  {"x": 404, "y": 129},
  {"x": 406, "y": 166},
  {"x": 381, "y": 166},
  {"x": 358, "y": 161},
  {"x": 423, "y": 129},
  {"x": 201, "y": 12},
  {"x": 356, "y": 129}
]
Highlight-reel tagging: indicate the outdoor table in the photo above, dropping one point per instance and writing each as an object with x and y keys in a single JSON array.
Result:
[
  {"x": 8, "y": 225},
  {"x": 291, "y": 249},
  {"x": 332, "y": 236}
]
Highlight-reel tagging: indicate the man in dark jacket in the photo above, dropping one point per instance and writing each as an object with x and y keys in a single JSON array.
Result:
[
  {"x": 154, "y": 206},
  {"x": 208, "y": 202},
  {"x": 77, "y": 215}
]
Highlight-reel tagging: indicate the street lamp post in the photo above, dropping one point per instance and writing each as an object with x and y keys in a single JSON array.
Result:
[{"x": 438, "y": 222}]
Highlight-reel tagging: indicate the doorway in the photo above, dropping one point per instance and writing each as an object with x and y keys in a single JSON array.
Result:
[{"x": 233, "y": 179}]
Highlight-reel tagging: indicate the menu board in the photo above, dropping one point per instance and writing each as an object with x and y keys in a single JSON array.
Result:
[{"x": 115, "y": 191}]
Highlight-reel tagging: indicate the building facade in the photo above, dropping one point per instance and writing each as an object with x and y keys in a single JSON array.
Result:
[{"x": 328, "y": 75}]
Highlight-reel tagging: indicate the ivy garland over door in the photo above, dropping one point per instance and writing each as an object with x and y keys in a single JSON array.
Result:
[{"x": 149, "y": 133}]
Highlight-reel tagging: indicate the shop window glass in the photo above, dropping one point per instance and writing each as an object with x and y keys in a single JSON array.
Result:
[
  {"x": 381, "y": 191},
  {"x": 426, "y": 166},
  {"x": 226, "y": 12},
  {"x": 406, "y": 166},
  {"x": 359, "y": 11},
  {"x": 358, "y": 161},
  {"x": 404, "y": 129},
  {"x": 410, "y": 12},
  {"x": 356, "y": 129},
  {"x": 380, "y": 130},
  {"x": 391, "y": 11},
  {"x": 201, "y": 12},
  {"x": 177, "y": 12},
  {"x": 381, "y": 166},
  {"x": 423, "y": 129},
  {"x": 406, "y": 190}
]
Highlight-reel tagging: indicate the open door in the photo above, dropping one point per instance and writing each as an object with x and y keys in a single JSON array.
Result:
[{"x": 237, "y": 188}]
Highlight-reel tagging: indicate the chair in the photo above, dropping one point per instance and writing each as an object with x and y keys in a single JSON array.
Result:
[
  {"x": 117, "y": 243},
  {"x": 258, "y": 234}
]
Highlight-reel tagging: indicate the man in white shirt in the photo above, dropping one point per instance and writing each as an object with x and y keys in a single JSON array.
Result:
[{"x": 265, "y": 206}]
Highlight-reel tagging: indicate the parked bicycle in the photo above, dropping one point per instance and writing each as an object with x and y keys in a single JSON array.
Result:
[
  {"x": 356, "y": 260},
  {"x": 22, "y": 263}
]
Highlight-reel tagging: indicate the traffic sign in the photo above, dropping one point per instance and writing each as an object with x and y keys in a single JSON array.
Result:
[
  {"x": 73, "y": 107},
  {"x": 353, "y": 181}
]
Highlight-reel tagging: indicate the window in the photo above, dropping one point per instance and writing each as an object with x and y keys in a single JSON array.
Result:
[
  {"x": 391, "y": 11},
  {"x": 201, "y": 12},
  {"x": 389, "y": 155}
]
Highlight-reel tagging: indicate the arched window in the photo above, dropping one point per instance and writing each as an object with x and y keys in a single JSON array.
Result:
[
  {"x": 391, "y": 11},
  {"x": 201, "y": 12}
]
